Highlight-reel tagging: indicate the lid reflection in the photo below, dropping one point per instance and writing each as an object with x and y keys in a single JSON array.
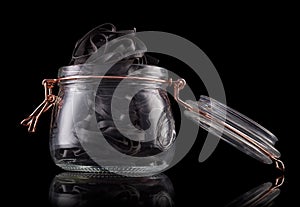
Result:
[{"x": 262, "y": 195}]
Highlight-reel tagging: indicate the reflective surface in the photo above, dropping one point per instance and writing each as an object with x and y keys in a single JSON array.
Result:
[
  {"x": 262, "y": 195},
  {"x": 86, "y": 189}
]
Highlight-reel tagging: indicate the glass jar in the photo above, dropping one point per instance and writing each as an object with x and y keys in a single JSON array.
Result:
[{"x": 119, "y": 125}]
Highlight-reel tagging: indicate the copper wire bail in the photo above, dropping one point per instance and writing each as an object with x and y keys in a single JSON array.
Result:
[
  {"x": 32, "y": 119},
  {"x": 50, "y": 99}
]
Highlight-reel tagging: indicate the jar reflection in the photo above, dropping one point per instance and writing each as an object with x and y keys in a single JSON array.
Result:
[{"x": 88, "y": 189}]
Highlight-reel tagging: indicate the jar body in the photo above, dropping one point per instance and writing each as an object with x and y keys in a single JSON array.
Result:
[{"x": 104, "y": 124}]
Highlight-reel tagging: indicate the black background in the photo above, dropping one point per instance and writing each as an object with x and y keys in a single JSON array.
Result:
[{"x": 250, "y": 50}]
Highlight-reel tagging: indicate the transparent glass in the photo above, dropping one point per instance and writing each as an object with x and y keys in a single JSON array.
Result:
[
  {"x": 118, "y": 125},
  {"x": 234, "y": 128}
]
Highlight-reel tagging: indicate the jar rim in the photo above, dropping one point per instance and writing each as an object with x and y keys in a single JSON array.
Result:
[{"x": 139, "y": 70}]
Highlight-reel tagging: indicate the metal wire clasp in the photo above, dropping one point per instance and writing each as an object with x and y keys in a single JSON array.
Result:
[{"x": 48, "y": 102}]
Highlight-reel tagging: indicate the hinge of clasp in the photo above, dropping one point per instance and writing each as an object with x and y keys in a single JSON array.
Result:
[{"x": 49, "y": 101}]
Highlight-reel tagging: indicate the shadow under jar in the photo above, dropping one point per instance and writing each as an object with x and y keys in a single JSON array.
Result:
[{"x": 119, "y": 125}]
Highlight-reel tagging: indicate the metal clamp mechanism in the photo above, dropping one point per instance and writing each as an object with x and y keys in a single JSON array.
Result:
[{"x": 32, "y": 119}]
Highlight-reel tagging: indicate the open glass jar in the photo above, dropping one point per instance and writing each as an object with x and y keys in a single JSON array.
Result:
[{"x": 112, "y": 111}]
